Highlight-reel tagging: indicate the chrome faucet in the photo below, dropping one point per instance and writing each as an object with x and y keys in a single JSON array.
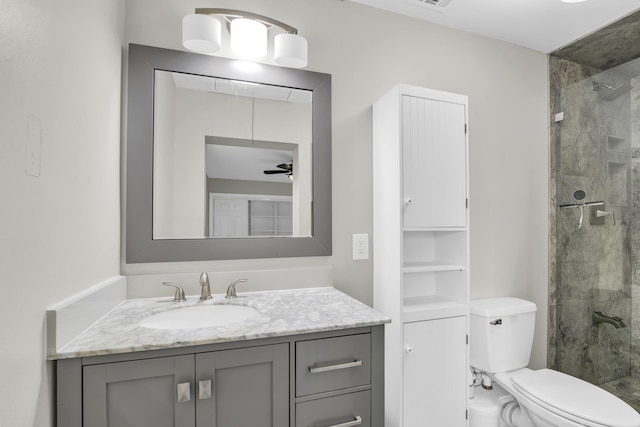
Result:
[
  {"x": 231, "y": 290},
  {"x": 599, "y": 317},
  {"x": 205, "y": 292}
]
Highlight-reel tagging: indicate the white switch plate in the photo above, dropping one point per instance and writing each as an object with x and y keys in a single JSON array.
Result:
[
  {"x": 360, "y": 246},
  {"x": 34, "y": 141}
]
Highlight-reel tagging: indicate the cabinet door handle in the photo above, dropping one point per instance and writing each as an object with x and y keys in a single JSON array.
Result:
[
  {"x": 315, "y": 369},
  {"x": 356, "y": 422},
  {"x": 184, "y": 392},
  {"x": 204, "y": 389}
]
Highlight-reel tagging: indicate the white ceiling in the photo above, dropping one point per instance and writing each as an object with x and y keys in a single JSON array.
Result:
[{"x": 542, "y": 25}]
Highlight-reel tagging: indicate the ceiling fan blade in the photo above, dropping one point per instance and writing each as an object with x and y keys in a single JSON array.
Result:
[
  {"x": 272, "y": 172},
  {"x": 285, "y": 166}
]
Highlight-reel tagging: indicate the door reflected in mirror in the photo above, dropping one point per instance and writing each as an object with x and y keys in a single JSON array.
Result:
[{"x": 231, "y": 159}]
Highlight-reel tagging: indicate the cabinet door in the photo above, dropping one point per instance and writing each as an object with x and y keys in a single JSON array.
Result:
[
  {"x": 435, "y": 373},
  {"x": 247, "y": 387},
  {"x": 140, "y": 393},
  {"x": 434, "y": 163}
]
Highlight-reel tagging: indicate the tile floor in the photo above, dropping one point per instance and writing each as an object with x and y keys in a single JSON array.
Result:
[{"x": 627, "y": 389}]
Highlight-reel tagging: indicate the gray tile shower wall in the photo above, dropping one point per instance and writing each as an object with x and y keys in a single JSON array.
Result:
[
  {"x": 593, "y": 261},
  {"x": 635, "y": 227},
  {"x": 596, "y": 148}
]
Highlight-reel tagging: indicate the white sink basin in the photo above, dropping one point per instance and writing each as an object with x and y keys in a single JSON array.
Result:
[{"x": 199, "y": 317}]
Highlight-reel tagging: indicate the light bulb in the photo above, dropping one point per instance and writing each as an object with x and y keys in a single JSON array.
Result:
[{"x": 248, "y": 38}]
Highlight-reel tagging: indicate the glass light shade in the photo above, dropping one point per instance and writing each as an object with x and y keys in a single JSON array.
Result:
[
  {"x": 290, "y": 50},
  {"x": 201, "y": 33},
  {"x": 248, "y": 38}
]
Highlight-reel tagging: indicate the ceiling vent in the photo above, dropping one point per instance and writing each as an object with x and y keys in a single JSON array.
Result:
[{"x": 435, "y": 5}]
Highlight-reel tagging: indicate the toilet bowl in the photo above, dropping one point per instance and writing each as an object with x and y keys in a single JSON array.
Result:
[{"x": 501, "y": 338}]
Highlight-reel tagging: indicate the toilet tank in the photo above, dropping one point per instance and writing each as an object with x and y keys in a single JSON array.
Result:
[{"x": 501, "y": 333}]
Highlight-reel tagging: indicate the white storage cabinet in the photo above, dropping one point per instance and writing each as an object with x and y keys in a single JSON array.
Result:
[{"x": 421, "y": 253}]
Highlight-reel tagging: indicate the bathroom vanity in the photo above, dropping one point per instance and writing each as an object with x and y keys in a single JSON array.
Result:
[{"x": 311, "y": 357}]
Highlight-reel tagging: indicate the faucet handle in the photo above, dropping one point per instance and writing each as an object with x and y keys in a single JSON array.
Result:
[
  {"x": 205, "y": 292},
  {"x": 231, "y": 290},
  {"x": 179, "y": 296}
]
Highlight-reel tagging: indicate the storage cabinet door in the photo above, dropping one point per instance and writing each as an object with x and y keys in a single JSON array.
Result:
[
  {"x": 434, "y": 163},
  {"x": 247, "y": 387},
  {"x": 435, "y": 373},
  {"x": 140, "y": 393}
]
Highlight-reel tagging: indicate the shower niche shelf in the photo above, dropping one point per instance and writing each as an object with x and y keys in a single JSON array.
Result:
[
  {"x": 616, "y": 143},
  {"x": 618, "y": 181}
]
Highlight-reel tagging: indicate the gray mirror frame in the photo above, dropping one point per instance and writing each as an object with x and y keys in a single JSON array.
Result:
[{"x": 140, "y": 245}]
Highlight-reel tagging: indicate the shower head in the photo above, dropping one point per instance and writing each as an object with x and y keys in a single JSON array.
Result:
[{"x": 612, "y": 92}]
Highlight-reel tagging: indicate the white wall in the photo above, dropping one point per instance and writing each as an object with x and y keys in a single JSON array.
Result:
[
  {"x": 368, "y": 51},
  {"x": 59, "y": 232}
]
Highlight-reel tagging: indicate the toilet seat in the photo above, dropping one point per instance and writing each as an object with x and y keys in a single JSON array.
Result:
[{"x": 574, "y": 399}]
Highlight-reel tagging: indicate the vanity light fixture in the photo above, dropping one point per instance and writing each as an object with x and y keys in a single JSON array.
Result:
[{"x": 202, "y": 33}]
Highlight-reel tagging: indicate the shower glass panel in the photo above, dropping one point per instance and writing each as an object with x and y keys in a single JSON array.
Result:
[{"x": 598, "y": 230}]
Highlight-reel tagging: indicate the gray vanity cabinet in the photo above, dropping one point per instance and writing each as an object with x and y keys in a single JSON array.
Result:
[
  {"x": 139, "y": 393},
  {"x": 243, "y": 387},
  {"x": 332, "y": 378},
  {"x": 249, "y": 387}
]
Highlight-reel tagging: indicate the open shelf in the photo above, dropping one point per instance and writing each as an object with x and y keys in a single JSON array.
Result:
[
  {"x": 428, "y": 307},
  {"x": 423, "y": 229},
  {"x": 426, "y": 267}
]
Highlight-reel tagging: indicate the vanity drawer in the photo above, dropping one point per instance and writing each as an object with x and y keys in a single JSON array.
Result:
[
  {"x": 347, "y": 410},
  {"x": 332, "y": 364}
]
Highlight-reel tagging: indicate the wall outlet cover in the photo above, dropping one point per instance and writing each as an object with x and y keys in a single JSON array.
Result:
[{"x": 360, "y": 246}]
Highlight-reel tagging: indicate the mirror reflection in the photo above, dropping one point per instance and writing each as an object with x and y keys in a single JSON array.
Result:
[{"x": 231, "y": 159}]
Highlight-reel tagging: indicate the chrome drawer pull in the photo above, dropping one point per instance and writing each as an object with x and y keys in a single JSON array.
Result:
[
  {"x": 356, "y": 422},
  {"x": 314, "y": 369}
]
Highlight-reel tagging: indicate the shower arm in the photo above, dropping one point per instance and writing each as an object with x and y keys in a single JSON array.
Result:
[{"x": 577, "y": 205}]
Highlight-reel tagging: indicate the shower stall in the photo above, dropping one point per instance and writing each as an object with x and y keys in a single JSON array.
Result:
[{"x": 594, "y": 324}]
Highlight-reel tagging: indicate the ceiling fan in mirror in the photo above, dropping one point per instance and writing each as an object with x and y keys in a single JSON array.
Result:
[{"x": 286, "y": 168}]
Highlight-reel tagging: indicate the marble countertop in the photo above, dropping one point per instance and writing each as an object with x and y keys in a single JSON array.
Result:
[{"x": 286, "y": 312}]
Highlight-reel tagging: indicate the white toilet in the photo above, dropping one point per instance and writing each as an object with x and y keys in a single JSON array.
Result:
[{"x": 501, "y": 338}]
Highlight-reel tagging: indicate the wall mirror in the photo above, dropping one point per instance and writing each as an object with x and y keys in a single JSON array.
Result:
[{"x": 225, "y": 159}]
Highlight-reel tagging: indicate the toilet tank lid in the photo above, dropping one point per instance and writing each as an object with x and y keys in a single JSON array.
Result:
[{"x": 504, "y": 306}]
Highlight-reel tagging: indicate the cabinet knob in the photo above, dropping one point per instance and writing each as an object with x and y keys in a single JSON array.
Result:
[
  {"x": 204, "y": 389},
  {"x": 409, "y": 350},
  {"x": 184, "y": 392},
  {"x": 408, "y": 201}
]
